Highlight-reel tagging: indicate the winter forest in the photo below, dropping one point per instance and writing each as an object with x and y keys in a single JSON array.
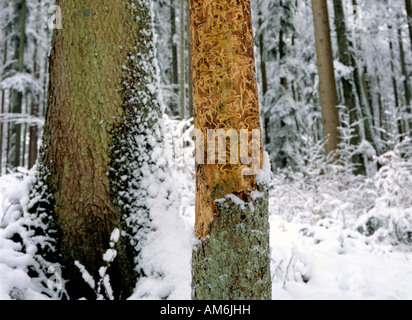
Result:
[{"x": 205, "y": 149}]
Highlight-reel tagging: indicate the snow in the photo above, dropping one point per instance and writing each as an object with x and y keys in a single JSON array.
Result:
[
  {"x": 85, "y": 274},
  {"x": 317, "y": 248}
]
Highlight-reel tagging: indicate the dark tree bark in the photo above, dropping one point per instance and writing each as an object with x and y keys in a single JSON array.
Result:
[{"x": 15, "y": 142}]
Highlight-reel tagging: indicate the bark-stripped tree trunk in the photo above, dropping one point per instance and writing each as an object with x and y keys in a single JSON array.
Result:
[
  {"x": 100, "y": 75},
  {"x": 346, "y": 59},
  {"x": 232, "y": 260},
  {"x": 327, "y": 84},
  {"x": 408, "y": 5}
]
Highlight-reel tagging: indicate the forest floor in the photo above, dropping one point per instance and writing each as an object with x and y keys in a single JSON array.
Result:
[
  {"x": 329, "y": 262},
  {"x": 315, "y": 257}
]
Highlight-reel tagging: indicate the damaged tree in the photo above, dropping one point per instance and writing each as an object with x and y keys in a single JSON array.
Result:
[{"x": 232, "y": 259}]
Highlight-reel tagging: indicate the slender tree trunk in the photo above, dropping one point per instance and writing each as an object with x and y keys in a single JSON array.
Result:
[
  {"x": 232, "y": 260},
  {"x": 17, "y": 100},
  {"x": 407, "y": 90},
  {"x": 395, "y": 89},
  {"x": 264, "y": 76},
  {"x": 284, "y": 84},
  {"x": 408, "y": 4},
  {"x": 182, "y": 59},
  {"x": 175, "y": 61},
  {"x": 3, "y": 93},
  {"x": 34, "y": 112},
  {"x": 382, "y": 115},
  {"x": 345, "y": 58},
  {"x": 189, "y": 64},
  {"x": 34, "y": 107},
  {"x": 262, "y": 57},
  {"x": 327, "y": 84},
  {"x": 365, "y": 100}
]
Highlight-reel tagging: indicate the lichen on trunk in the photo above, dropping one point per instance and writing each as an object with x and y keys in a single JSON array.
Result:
[{"x": 232, "y": 262}]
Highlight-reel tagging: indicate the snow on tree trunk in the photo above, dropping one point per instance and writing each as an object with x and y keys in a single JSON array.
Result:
[
  {"x": 232, "y": 259},
  {"x": 100, "y": 132}
]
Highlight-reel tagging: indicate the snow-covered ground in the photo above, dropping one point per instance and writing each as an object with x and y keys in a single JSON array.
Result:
[
  {"x": 327, "y": 262},
  {"x": 317, "y": 248}
]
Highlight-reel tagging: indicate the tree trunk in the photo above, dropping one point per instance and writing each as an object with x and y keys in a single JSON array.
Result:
[
  {"x": 262, "y": 57},
  {"x": 395, "y": 89},
  {"x": 327, "y": 84},
  {"x": 189, "y": 64},
  {"x": 182, "y": 60},
  {"x": 407, "y": 90},
  {"x": 408, "y": 4},
  {"x": 232, "y": 260},
  {"x": 264, "y": 76},
  {"x": 3, "y": 93},
  {"x": 95, "y": 93},
  {"x": 345, "y": 58},
  {"x": 360, "y": 79},
  {"x": 175, "y": 62},
  {"x": 34, "y": 112},
  {"x": 17, "y": 96}
]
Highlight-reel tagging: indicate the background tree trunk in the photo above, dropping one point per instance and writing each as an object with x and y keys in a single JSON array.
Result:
[
  {"x": 2, "y": 125},
  {"x": 327, "y": 84},
  {"x": 346, "y": 59},
  {"x": 189, "y": 66},
  {"x": 15, "y": 142},
  {"x": 182, "y": 60},
  {"x": 263, "y": 71},
  {"x": 175, "y": 62},
  {"x": 226, "y": 265}
]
